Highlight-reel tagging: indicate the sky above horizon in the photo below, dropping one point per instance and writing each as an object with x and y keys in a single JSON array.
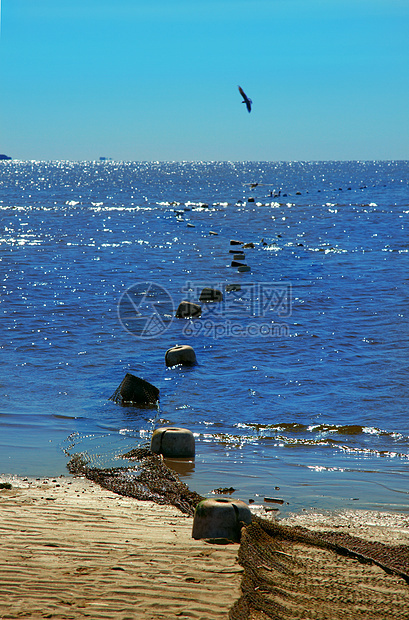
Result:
[{"x": 141, "y": 81}]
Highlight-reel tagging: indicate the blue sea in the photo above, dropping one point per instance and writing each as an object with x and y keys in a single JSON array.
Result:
[{"x": 301, "y": 388}]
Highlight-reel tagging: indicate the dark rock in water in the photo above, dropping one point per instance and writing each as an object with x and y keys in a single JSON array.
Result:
[
  {"x": 224, "y": 490},
  {"x": 2, "y": 156},
  {"x": 274, "y": 500},
  {"x": 249, "y": 245},
  {"x": 187, "y": 310},
  {"x": 211, "y": 294},
  {"x": 236, "y": 263},
  {"x": 135, "y": 391},
  {"x": 235, "y": 242}
]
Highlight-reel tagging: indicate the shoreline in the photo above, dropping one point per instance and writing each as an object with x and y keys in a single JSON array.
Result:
[{"x": 72, "y": 549}]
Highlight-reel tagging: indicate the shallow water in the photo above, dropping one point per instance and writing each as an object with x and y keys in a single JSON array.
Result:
[{"x": 302, "y": 376}]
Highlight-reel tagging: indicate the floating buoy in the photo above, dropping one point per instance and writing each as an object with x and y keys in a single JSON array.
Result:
[
  {"x": 211, "y": 294},
  {"x": 180, "y": 354},
  {"x": 232, "y": 287},
  {"x": 220, "y": 518},
  {"x": 187, "y": 310},
  {"x": 173, "y": 442}
]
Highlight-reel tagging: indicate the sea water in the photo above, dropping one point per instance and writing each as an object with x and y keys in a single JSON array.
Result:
[{"x": 301, "y": 388}]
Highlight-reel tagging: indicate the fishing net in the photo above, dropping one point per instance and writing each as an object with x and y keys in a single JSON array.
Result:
[
  {"x": 149, "y": 479},
  {"x": 293, "y": 573},
  {"x": 135, "y": 391},
  {"x": 290, "y": 573}
]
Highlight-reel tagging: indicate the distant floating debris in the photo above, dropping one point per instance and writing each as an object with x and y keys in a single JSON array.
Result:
[
  {"x": 2, "y": 156},
  {"x": 105, "y": 159}
]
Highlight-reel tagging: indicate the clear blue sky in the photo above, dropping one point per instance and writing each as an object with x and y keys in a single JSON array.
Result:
[{"x": 157, "y": 79}]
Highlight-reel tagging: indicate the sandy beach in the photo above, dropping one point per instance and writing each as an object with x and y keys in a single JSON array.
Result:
[{"x": 71, "y": 549}]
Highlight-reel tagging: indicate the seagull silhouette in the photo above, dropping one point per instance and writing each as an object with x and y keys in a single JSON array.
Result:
[{"x": 246, "y": 100}]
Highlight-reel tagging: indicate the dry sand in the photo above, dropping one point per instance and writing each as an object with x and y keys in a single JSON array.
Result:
[{"x": 70, "y": 549}]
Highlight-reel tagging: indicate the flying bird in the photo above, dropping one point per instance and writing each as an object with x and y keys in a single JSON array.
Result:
[{"x": 246, "y": 100}]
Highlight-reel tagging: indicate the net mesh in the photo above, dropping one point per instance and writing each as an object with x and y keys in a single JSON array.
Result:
[
  {"x": 293, "y": 573},
  {"x": 290, "y": 573},
  {"x": 149, "y": 479},
  {"x": 135, "y": 391}
]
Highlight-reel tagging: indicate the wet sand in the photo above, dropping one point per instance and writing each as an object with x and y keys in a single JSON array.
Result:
[{"x": 390, "y": 528}]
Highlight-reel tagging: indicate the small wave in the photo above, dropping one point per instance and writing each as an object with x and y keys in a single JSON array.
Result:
[{"x": 293, "y": 435}]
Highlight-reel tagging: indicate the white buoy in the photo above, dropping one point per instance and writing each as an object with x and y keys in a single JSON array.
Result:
[
  {"x": 173, "y": 442},
  {"x": 180, "y": 354},
  {"x": 220, "y": 518}
]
